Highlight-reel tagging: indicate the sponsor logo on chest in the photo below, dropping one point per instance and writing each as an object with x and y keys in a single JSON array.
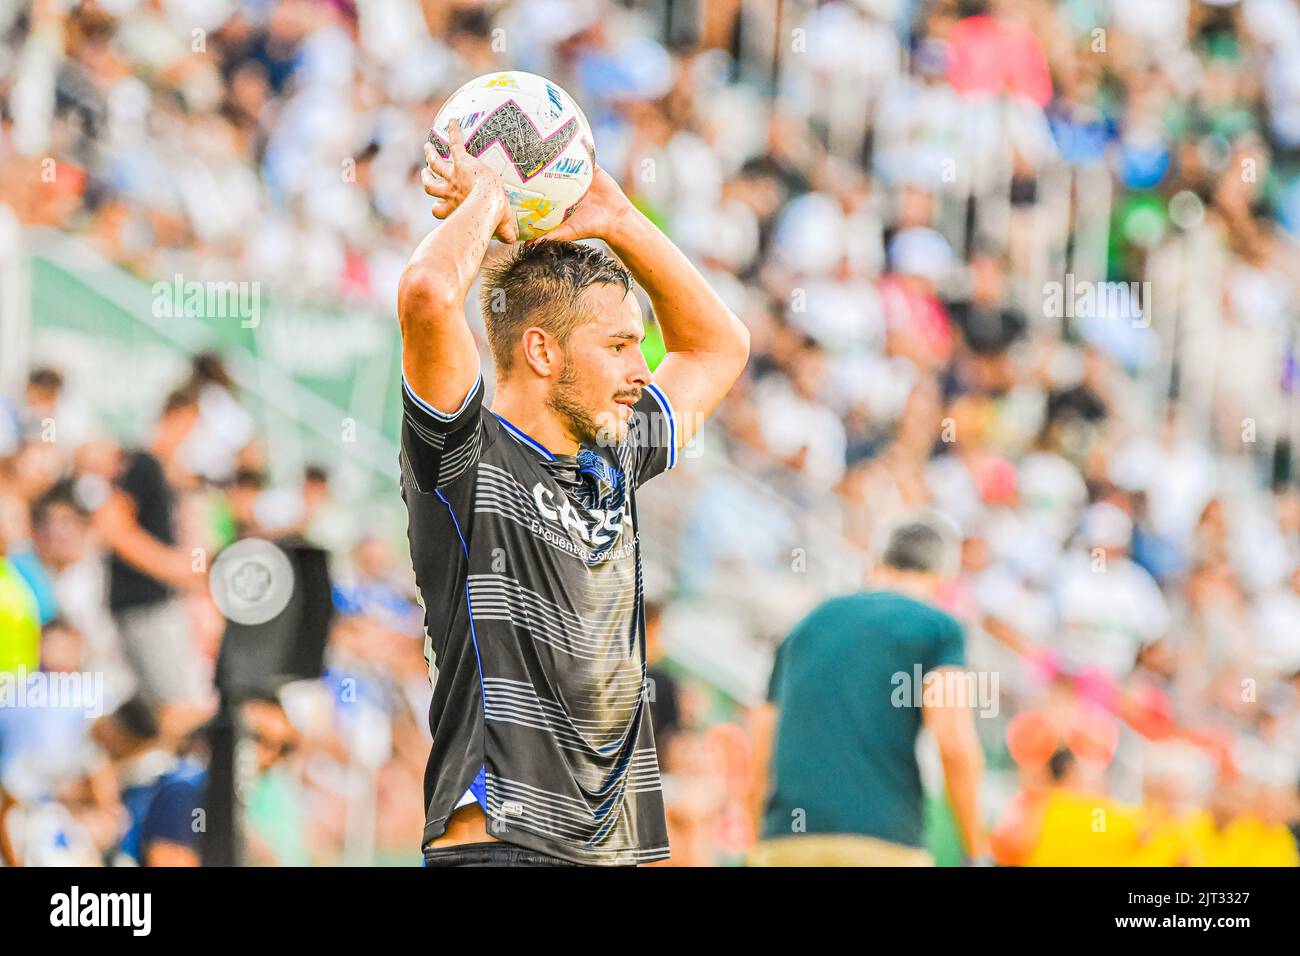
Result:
[{"x": 593, "y": 526}]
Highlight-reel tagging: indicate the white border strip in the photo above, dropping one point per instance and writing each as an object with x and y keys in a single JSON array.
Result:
[
  {"x": 526, "y": 439},
  {"x": 443, "y": 416},
  {"x": 667, "y": 407}
]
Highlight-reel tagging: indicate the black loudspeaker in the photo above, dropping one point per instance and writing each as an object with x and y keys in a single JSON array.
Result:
[{"x": 257, "y": 659}]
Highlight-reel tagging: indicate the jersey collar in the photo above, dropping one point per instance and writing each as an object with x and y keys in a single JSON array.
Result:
[{"x": 525, "y": 439}]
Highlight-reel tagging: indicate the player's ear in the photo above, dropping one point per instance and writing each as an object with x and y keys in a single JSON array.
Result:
[{"x": 540, "y": 351}]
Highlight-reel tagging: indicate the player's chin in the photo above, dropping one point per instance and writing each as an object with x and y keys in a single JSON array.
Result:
[{"x": 613, "y": 425}]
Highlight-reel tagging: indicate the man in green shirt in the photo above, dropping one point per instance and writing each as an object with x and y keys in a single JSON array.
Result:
[{"x": 842, "y": 719}]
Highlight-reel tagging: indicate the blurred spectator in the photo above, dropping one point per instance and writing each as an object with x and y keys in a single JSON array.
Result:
[
  {"x": 20, "y": 617},
  {"x": 222, "y": 439},
  {"x": 147, "y": 567}
]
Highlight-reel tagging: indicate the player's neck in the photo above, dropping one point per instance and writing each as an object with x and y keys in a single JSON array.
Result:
[{"x": 532, "y": 416}]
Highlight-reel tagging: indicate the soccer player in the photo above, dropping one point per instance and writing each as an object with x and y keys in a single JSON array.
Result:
[{"x": 522, "y": 515}]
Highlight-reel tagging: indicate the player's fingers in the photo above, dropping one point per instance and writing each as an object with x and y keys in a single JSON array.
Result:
[
  {"x": 441, "y": 167},
  {"x": 435, "y": 186},
  {"x": 457, "y": 139},
  {"x": 508, "y": 231},
  {"x": 442, "y": 208},
  {"x": 559, "y": 234}
]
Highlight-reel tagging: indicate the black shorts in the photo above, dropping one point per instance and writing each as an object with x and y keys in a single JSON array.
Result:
[{"x": 489, "y": 854}]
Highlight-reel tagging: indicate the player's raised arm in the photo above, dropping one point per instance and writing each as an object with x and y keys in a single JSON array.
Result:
[
  {"x": 439, "y": 357},
  {"x": 707, "y": 345}
]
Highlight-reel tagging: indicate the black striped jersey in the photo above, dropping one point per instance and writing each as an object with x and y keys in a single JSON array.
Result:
[{"x": 529, "y": 569}]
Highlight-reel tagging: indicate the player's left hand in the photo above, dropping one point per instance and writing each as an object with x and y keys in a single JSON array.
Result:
[
  {"x": 598, "y": 216},
  {"x": 451, "y": 180}
]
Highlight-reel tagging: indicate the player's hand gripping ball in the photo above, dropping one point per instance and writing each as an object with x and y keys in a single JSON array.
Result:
[{"x": 533, "y": 135}]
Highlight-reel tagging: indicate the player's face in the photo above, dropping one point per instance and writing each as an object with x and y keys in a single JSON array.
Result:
[{"x": 604, "y": 370}]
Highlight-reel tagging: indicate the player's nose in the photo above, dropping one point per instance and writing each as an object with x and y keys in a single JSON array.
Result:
[{"x": 640, "y": 374}]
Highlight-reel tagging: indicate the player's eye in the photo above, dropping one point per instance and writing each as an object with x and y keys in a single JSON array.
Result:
[{"x": 619, "y": 347}]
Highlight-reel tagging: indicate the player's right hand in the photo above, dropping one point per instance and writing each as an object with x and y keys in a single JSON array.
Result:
[{"x": 451, "y": 181}]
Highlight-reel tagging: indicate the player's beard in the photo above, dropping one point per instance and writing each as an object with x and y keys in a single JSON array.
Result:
[{"x": 565, "y": 401}]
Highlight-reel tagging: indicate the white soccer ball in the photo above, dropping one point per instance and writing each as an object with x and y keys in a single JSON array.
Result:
[{"x": 533, "y": 134}]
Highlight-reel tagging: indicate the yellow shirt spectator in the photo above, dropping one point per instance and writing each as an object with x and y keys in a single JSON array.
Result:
[
  {"x": 20, "y": 623},
  {"x": 1170, "y": 839},
  {"x": 1082, "y": 829},
  {"x": 1247, "y": 841}
]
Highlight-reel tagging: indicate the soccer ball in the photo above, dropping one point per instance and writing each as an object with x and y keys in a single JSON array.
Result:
[{"x": 533, "y": 134}]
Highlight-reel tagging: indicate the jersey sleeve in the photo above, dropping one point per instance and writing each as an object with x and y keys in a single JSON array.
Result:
[
  {"x": 653, "y": 434},
  {"x": 948, "y": 647},
  {"x": 778, "y": 669},
  {"x": 439, "y": 447}
]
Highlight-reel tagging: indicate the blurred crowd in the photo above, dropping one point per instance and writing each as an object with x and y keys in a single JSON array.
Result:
[
  {"x": 1031, "y": 264},
  {"x": 109, "y": 639}
]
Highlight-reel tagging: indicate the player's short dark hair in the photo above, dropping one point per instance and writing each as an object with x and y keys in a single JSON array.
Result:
[
  {"x": 541, "y": 284},
  {"x": 917, "y": 546}
]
